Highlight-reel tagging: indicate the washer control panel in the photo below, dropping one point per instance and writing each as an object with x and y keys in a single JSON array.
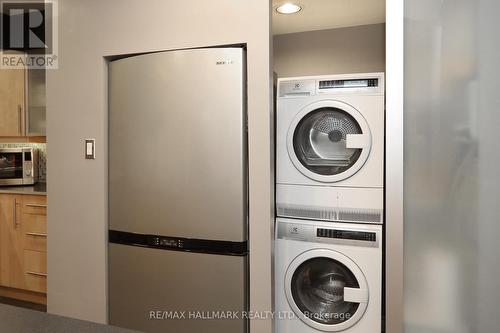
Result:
[
  {"x": 346, "y": 234},
  {"x": 332, "y": 233}
]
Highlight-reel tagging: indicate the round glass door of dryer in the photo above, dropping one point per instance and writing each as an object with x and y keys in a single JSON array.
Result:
[
  {"x": 325, "y": 293},
  {"x": 319, "y": 141},
  {"x": 329, "y": 143}
]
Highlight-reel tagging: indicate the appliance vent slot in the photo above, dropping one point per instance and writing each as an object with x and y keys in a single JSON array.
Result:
[
  {"x": 360, "y": 215},
  {"x": 316, "y": 213},
  {"x": 301, "y": 93}
]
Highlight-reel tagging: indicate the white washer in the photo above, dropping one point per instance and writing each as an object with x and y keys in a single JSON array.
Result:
[
  {"x": 330, "y": 147},
  {"x": 328, "y": 277}
]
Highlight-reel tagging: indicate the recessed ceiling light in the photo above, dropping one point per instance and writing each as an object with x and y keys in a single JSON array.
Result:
[{"x": 288, "y": 8}]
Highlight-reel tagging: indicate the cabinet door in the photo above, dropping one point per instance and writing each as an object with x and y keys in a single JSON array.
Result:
[
  {"x": 11, "y": 249},
  {"x": 35, "y": 266},
  {"x": 34, "y": 230},
  {"x": 35, "y": 97},
  {"x": 34, "y": 223},
  {"x": 12, "y": 86}
]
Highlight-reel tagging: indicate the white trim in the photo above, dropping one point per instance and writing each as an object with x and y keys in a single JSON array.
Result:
[{"x": 394, "y": 166}]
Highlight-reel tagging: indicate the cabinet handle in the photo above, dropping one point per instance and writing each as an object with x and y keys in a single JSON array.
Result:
[
  {"x": 36, "y": 234},
  {"x": 20, "y": 111},
  {"x": 15, "y": 213},
  {"x": 36, "y": 205},
  {"x": 37, "y": 273}
]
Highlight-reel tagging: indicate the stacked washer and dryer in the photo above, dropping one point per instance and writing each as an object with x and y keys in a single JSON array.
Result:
[{"x": 329, "y": 202}]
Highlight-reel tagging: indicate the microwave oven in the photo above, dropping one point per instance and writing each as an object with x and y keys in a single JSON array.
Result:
[{"x": 18, "y": 166}]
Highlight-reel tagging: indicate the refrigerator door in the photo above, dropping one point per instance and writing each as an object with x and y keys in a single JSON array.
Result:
[
  {"x": 177, "y": 144},
  {"x": 176, "y": 292}
]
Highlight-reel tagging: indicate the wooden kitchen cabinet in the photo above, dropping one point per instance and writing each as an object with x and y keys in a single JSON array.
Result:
[
  {"x": 34, "y": 232},
  {"x": 23, "y": 246},
  {"x": 11, "y": 249},
  {"x": 12, "y": 102},
  {"x": 35, "y": 270},
  {"x": 34, "y": 235}
]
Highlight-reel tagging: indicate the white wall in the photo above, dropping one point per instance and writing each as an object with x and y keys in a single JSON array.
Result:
[
  {"x": 77, "y": 109},
  {"x": 358, "y": 49}
]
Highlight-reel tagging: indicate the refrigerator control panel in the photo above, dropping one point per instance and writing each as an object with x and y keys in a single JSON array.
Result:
[
  {"x": 238, "y": 248},
  {"x": 167, "y": 242}
]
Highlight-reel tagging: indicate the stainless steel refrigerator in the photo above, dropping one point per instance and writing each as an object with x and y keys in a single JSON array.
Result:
[{"x": 178, "y": 207}]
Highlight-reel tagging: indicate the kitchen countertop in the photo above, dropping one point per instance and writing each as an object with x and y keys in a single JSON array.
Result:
[
  {"x": 20, "y": 320},
  {"x": 37, "y": 189}
]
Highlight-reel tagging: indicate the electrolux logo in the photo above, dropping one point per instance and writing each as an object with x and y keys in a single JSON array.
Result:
[{"x": 29, "y": 34}]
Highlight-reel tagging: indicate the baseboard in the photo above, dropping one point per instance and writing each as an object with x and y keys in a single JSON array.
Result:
[{"x": 24, "y": 295}]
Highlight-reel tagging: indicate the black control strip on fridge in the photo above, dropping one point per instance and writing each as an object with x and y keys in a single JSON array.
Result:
[{"x": 179, "y": 244}]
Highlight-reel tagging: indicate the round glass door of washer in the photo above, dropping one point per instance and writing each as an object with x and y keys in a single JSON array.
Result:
[
  {"x": 326, "y": 290},
  {"x": 329, "y": 141}
]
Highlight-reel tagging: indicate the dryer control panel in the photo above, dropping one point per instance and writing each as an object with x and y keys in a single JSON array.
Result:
[
  {"x": 297, "y": 88},
  {"x": 362, "y": 83},
  {"x": 353, "y": 83}
]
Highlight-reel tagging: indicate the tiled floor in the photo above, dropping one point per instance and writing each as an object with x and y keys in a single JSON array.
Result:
[{"x": 22, "y": 304}]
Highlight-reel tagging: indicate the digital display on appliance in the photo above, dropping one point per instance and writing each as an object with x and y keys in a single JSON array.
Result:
[
  {"x": 346, "y": 234},
  {"x": 332, "y": 84}
]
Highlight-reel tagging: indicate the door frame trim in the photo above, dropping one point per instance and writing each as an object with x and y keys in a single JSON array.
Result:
[{"x": 394, "y": 277}]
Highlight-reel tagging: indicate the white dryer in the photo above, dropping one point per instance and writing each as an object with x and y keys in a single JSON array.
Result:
[
  {"x": 328, "y": 277},
  {"x": 330, "y": 147}
]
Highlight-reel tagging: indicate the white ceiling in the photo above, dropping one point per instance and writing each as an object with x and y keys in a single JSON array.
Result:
[{"x": 328, "y": 14}]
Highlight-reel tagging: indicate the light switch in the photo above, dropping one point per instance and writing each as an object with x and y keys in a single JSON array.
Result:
[{"x": 90, "y": 149}]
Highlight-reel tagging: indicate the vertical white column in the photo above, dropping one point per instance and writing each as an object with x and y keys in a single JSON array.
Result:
[{"x": 394, "y": 165}]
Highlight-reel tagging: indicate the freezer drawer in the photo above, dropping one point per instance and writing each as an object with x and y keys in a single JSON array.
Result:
[{"x": 143, "y": 281}]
